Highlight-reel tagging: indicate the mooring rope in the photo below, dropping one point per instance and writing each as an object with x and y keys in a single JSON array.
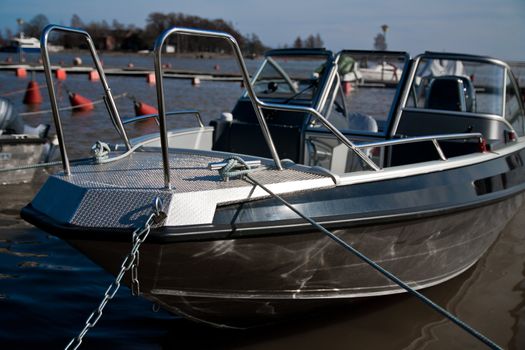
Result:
[
  {"x": 373, "y": 264},
  {"x": 235, "y": 166}
]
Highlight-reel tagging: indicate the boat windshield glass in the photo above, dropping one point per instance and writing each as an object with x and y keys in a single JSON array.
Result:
[
  {"x": 457, "y": 84},
  {"x": 292, "y": 79},
  {"x": 370, "y": 82}
]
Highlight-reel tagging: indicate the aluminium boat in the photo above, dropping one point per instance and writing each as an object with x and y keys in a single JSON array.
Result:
[
  {"x": 422, "y": 181},
  {"x": 21, "y": 146}
]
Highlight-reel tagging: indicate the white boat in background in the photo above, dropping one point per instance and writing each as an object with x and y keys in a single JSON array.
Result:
[
  {"x": 24, "y": 44},
  {"x": 385, "y": 71},
  {"x": 363, "y": 69}
]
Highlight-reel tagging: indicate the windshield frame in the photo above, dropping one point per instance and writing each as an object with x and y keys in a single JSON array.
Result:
[
  {"x": 329, "y": 62},
  {"x": 429, "y": 55}
]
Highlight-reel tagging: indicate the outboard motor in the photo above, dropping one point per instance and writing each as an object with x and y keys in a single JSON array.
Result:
[
  {"x": 12, "y": 123},
  {"x": 6, "y": 116}
]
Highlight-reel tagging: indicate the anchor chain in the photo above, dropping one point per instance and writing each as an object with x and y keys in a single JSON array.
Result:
[{"x": 130, "y": 262}]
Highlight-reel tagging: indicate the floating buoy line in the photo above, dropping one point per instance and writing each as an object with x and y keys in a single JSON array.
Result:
[
  {"x": 21, "y": 91},
  {"x": 75, "y": 107}
]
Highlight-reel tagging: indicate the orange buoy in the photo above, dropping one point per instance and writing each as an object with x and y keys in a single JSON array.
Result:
[
  {"x": 150, "y": 78},
  {"x": 32, "y": 95},
  {"x": 142, "y": 108},
  {"x": 94, "y": 76},
  {"x": 347, "y": 87},
  {"x": 21, "y": 72},
  {"x": 80, "y": 103},
  {"x": 61, "y": 74}
]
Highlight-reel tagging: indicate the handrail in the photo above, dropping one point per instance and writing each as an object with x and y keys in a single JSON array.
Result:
[
  {"x": 156, "y": 116},
  {"x": 108, "y": 98},
  {"x": 325, "y": 123},
  {"x": 433, "y": 138},
  {"x": 159, "y": 43},
  {"x": 415, "y": 139}
]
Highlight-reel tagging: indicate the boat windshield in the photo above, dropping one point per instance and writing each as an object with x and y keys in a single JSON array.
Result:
[
  {"x": 370, "y": 82},
  {"x": 293, "y": 79},
  {"x": 438, "y": 81}
]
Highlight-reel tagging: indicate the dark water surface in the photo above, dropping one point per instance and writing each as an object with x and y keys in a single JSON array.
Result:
[{"x": 47, "y": 289}]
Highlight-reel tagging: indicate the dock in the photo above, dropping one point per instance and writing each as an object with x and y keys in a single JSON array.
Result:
[{"x": 130, "y": 72}]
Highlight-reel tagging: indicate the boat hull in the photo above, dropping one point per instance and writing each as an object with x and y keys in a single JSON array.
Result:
[
  {"x": 19, "y": 152},
  {"x": 256, "y": 261},
  {"x": 259, "y": 280}
]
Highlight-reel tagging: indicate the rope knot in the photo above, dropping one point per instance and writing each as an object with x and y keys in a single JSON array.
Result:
[
  {"x": 234, "y": 166},
  {"x": 100, "y": 150}
]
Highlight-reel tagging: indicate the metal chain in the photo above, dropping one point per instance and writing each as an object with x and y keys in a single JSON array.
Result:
[
  {"x": 135, "y": 284},
  {"x": 131, "y": 261}
]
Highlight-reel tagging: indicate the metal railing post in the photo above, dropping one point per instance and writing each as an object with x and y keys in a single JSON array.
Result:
[
  {"x": 159, "y": 43},
  {"x": 110, "y": 102}
]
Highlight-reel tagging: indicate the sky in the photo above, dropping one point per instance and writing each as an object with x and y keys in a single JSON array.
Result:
[{"x": 487, "y": 27}]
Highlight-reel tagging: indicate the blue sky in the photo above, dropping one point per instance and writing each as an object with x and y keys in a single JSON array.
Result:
[{"x": 489, "y": 27}]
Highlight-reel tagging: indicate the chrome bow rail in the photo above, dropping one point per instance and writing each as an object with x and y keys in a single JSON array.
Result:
[
  {"x": 258, "y": 105},
  {"x": 430, "y": 138},
  {"x": 108, "y": 97},
  {"x": 156, "y": 117},
  {"x": 159, "y": 43}
]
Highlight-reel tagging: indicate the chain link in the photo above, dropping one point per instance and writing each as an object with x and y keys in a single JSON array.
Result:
[
  {"x": 130, "y": 262},
  {"x": 135, "y": 284}
]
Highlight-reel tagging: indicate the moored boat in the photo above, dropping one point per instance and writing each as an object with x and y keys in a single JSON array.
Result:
[
  {"x": 23, "y": 44},
  {"x": 21, "y": 146},
  {"x": 422, "y": 184}
]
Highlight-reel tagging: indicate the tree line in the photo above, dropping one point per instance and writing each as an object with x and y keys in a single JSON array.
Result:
[{"x": 116, "y": 36}]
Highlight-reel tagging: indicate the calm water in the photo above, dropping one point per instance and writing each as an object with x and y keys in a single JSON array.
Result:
[{"x": 47, "y": 289}]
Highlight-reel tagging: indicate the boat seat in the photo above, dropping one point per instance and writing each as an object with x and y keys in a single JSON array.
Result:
[
  {"x": 451, "y": 93},
  {"x": 356, "y": 121},
  {"x": 362, "y": 122}
]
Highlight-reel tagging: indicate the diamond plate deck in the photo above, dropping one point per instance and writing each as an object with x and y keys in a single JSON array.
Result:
[{"x": 119, "y": 194}]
